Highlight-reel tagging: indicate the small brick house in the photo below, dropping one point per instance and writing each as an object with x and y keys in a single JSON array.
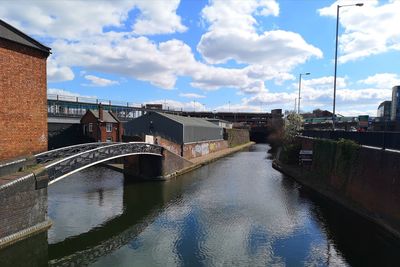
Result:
[
  {"x": 23, "y": 94},
  {"x": 102, "y": 125}
]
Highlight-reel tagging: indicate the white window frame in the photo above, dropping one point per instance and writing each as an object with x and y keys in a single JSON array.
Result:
[
  {"x": 90, "y": 128},
  {"x": 109, "y": 127}
]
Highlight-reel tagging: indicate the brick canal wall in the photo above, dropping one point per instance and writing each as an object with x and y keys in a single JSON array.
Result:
[
  {"x": 363, "y": 179},
  {"x": 23, "y": 101},
  {"x": 23, "y": 209},
  {"x": 236, "y": 137}
]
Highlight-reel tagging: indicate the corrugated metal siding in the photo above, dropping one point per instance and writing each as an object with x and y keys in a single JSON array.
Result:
[
  {"x": 161, "y": 126},
  {"x": 197, "y": 133},
  {"x": 175, "y": 128}
]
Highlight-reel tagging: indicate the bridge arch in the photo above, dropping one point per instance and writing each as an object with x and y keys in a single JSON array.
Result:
[{"x": 63, "y": 167}]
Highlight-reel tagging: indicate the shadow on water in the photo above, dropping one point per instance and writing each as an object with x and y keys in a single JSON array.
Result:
[
  {"x": 30, "y": 252},
  {"x": 359, "y": 241},
  {"x": 142, "y": 202}
]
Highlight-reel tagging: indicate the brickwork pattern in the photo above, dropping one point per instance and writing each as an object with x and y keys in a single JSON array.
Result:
[
  {"x": 23, "y": 101},
  {"x": 237, "y": 137},
  {"x": 22, "y": 206}
]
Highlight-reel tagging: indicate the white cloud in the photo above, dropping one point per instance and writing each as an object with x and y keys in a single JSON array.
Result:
[
  {"x": 100, "y": 82},
  {"x": 56, "y": 73},
  {"x": 382, "y": 80},
  {"x": 159, "y": 17},
  {"x": 318, "y": 93},
  {"x": 191, "y": 95},
  {"x": 62, "y": 92},
  {"x": 77, "y": 19},
  {"x": 178, "y": 105},
  {"x": 78, "y": 42},
  {"x": 368, "y": 30},
  {"x": 232, "y": 35}
]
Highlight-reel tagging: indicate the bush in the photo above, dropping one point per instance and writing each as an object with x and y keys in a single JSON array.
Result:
[{"x": 290, "y": 153}]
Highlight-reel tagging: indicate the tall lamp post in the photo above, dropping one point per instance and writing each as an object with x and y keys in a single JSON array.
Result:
[
  {"x": 336, "y": 50},
  {"x": 298, "y": 106}
]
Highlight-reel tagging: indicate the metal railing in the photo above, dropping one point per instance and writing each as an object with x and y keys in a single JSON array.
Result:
[{"x": 384, "y": 140}]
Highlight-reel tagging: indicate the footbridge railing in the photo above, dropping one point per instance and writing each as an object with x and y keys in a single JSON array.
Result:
[
  {"x": 63, "y": 167},
  {"x": 51, "y": 155}
]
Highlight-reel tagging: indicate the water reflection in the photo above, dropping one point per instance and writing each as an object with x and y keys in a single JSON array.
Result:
[{"x": 237, "y": 211}]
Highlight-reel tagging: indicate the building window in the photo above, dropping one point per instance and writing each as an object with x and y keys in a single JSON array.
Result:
[
  {"x": 109, "y": 139},
  {"x": 109, "y": 127},
  {"x": 90, "y": 127}
]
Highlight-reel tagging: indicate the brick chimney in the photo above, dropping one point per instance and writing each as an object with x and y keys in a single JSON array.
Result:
[{"x": 100, "y": 112}]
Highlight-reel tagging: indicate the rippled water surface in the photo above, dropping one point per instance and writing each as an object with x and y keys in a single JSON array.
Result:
[{"x": 237, "y": 211}]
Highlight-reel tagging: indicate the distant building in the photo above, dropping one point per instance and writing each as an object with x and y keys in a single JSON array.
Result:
[
  {"x": 102, "y": 125},
  {"x": 154, "y": 106},
  {"x": 186, "y": 136},
  {"x": 395, "y": 114},
  {"x": 277, "y": 111},
  {"x": 23, "y": 89},
  {"x": 384, "y": 111},
  {"x": 221, "y": 123}
]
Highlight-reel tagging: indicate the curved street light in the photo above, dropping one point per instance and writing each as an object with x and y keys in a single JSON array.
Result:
[{"x": 336, "y": 48}]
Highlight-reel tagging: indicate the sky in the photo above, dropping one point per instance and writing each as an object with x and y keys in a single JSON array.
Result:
[{"x": 217, "y": 55}]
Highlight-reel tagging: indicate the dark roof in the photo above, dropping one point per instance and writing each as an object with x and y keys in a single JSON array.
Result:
[
  {"x": 10, "y": 33},
  {"x": 107, "y": 116},
  {"x": 189, "y": 121}
]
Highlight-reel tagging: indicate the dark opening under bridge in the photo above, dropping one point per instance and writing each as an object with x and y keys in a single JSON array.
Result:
[{"x": 23, "y": 195}]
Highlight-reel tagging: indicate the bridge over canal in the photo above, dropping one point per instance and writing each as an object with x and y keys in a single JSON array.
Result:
[{"x": 23, "y": 195}]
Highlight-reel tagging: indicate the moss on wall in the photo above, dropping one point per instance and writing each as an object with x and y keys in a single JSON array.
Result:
[
  {"x": 236, "y": 137},
  {"x": 335, "y": 158},
  {"x": 290, "y": 153}
]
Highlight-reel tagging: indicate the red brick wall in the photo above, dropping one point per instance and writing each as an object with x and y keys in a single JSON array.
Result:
[
  {"x": 171, "y": 146},
  {"x": 23, "y": 100},
  {"x": 102, "y": 134}
]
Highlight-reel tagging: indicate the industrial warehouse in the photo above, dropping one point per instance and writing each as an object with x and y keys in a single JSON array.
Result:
[{"x": 185, "y": 136}]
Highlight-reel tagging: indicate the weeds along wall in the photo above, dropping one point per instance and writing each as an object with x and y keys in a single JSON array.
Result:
[{"x": 362, "y": 178}]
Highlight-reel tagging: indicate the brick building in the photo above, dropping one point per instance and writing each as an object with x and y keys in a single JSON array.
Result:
[
  {"x": 102, "y": 125},
  {"x": 23, "y": 96}
]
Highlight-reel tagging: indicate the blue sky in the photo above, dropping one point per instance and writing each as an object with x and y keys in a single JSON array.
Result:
[{"x": 239, "y": 55}]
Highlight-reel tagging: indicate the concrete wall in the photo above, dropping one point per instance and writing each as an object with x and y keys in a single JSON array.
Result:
[
  {"x": 363, "y": 179},
  {"x": 192, "y": 150},
  {"x": 198, "y": 149},
  {"x": 236, "y": 137},
  {"x": 23, "y": 101},
  {"x": 173, "y": 163},
  {"x": 22, "y": 207}
]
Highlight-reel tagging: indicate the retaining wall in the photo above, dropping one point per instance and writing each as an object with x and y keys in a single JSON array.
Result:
[
  {"x": 23, "y": 209},
  {"x": 363, "y": 179},
  {"x": 237, "y": 137}
]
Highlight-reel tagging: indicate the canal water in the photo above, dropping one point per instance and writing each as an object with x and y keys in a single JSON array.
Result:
[{"x": 237, "y": 211}]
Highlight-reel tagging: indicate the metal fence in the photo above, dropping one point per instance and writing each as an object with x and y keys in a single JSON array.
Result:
[{"x": 385, "y": 140}]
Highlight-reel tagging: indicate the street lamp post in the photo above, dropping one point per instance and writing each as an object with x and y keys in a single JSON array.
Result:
[
  {"x": 298, "y": 106},
  {"x": 336, "y": 51}
]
